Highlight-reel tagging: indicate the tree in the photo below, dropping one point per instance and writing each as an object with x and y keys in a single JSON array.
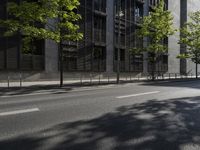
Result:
[
  {"x": 44, "y": 19},
  {"x": 190, "y": 37},
  {"x": 157, "y": 26}
]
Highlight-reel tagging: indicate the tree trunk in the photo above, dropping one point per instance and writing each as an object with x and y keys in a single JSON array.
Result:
[
  {"x": 196, "y": 70},
  {"x": 153, "y": 71},
  {"x": 153, "y": 67},
  {"x": 61, "y": 64},
  {"x": 196, "y": 63}
]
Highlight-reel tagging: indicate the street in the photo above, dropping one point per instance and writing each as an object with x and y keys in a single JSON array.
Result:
[{"x": 133, "y": 116}]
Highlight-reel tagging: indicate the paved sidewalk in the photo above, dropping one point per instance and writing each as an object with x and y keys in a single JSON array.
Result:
[{"x": 83, "y": 81}]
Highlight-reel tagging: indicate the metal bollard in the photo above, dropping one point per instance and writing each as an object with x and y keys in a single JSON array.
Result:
[
  {"x": 81, "y": 79},
  {"x": 20, "y": 80},
  {"x": 108, "y": 79},
  {"x": 8, "y": 80},
  {"x": 99, "y": 78},
  {"x": 169, "y": 76},
  {"x": 90, "y": 79}
]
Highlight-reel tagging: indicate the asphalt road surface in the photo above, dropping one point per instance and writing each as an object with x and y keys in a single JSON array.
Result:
[{"x": 136, "y": 116}]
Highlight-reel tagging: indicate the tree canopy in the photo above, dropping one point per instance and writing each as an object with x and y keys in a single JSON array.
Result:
[
  {"x": 157, "y": 26},
  {"x": 43, "y": 19},
  {"x": 190, "y": 36}
]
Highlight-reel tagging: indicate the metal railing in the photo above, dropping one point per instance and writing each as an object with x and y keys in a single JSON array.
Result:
[{"x": 19, "y": 80}]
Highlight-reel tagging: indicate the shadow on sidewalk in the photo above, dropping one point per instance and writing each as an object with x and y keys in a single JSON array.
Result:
[
  {"x": 172, "y": 124},
  {"x": 33, "y": 89}
]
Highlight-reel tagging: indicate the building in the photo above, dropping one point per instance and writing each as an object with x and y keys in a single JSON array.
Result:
[{"x": 108, "y": 25}]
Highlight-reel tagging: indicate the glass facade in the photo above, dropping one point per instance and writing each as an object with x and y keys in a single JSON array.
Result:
[
  {"x": 12, "y": 56},
  {"x": 128, "y": 14},
  {"x": 88, "y": 54},
  {"x": 162, "y": 59}
]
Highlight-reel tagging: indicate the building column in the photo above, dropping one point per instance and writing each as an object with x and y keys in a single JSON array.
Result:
[
  {"x": 51, "y": 57},
  {"x": 51, "y": 54},
  {"x": 110, "y": 36},
  {"x": 173, "y": 46},
  {"x": 145, "y": 40}
]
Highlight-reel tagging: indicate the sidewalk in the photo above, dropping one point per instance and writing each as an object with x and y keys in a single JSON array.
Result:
[{"x": 83, "y": 82}]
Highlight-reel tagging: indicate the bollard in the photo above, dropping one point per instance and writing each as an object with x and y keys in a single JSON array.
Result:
[
  {"x": 8, "y": 79},
  {"x": 138, "y": 77},
  {"x": 130, "y": 77},
  {"x": 81, "y": 80},
  {"x": 99, "y": 78},
  {"x": 169, "y": 76},
  {"x": 108, "y": 79},
  {"x": 90, "y": 79},
  {"x": 20, "y": 80}
]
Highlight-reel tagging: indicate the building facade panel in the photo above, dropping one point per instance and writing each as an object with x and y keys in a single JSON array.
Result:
[
  {"x": 173, "y": 46},
  {"x": 109, "y": 29}
]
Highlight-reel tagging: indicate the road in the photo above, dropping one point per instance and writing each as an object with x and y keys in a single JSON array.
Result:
[{"x": 134, "y": 116}]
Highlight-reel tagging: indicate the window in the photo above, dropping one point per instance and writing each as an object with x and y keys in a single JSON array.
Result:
[
  {"x": 99, "y": 53},
  {"x": 99, "y": 29},
  {"x": 100, "y": 5},
  {"x": 138, "y": 12},
  {"x": 122, "y": 54},
  {"x": 99, "y": 59}
]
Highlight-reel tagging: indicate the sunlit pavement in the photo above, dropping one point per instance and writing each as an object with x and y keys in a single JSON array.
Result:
[{"x": 142, "y": 116}]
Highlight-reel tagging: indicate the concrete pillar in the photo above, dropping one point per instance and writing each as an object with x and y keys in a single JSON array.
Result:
[
  {"x": 110, "y": 36},
  {"x": 174, "y": 47},
  {"x": 51, "y": 57},
  {"x": 145, "y": 55},
  {"x": 51, "y": 54}
]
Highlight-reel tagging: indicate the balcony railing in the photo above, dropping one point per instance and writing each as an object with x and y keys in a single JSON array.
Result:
[{"x": 140, "y": 1}]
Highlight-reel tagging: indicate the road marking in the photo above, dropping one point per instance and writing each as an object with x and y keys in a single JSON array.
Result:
[
  {"x": 19, "y": 112},
  {"x": 139, "y": 94}
]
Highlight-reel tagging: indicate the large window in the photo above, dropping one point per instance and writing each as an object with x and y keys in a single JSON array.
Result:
[
  {"x": 2, "y": 39},
  {"x": 33, "y": 59},
  {"x": 138, "y": 12},
  {"x": 99, "y": 59},
  {"x": 100, "y": 5},
  {"x": 99, "y": 29}
]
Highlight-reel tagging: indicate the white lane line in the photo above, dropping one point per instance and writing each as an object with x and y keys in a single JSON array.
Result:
[
  {"x": 139, "y": 94},
  {"x": 19, "y": 112}
]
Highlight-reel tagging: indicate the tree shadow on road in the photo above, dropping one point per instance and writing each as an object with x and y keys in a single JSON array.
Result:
[
  {"x": 153, "y": 125},
  {"x": 182, "y": 83},
  {"x": 33, "y": 89}
]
